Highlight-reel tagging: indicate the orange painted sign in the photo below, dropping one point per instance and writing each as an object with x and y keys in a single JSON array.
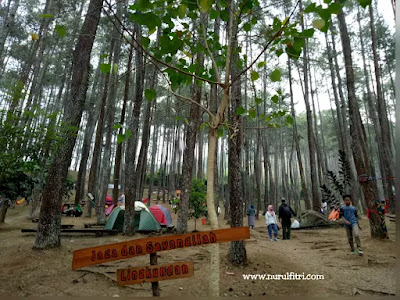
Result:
[
  {"x": 102, "y": 254},
  {"x": 155, "y": 273}
]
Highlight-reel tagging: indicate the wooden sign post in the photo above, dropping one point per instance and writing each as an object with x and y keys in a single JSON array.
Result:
[{"x": 106, "y": 253}]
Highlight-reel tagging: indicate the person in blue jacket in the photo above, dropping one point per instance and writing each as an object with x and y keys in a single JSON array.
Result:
[{"x": 348, "y": 213}]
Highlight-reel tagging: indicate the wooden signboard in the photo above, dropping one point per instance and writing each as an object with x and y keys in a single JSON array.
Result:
[
  {"x": 132, "y": 248},
  {"x": 155, "y": 273}
]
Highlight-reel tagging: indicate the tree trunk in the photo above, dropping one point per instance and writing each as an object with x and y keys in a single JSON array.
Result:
[
  {"x": 130, "y": 156},
  {"x": 200, "y": 157},
  {"x": 304, "y": 191},
  {"x": 237, "y": 251},
  {"x": 386, "y": 145},
  {"x": 8, "y": 23},
  {"x": 358, "y": 134},
  {"x": 311, "y": 140},
  {"x": 93, "y": 111},
  {"x": 96, "y": 156},
  {"x": 188, "y": 155},
  {"x": 118, "y": 155},
  {"x": 110, "y": 117},
  {"x": 48, "y": 233},
  {"x": 153, "y": 159},
  {"x": 341, "y": 140}
]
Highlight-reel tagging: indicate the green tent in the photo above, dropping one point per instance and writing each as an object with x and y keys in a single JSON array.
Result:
[{"x": 144, "y": 219}]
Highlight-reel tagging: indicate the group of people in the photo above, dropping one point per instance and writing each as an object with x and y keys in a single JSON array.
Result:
[
  {"x": 347, "y": 213},
  {"x": 285, "y": 214}
]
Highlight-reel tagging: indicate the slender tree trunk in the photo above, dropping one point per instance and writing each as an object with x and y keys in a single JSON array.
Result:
[
  {"x": 386, "y": 145},
  {"x": 96, "y": 156},
  {"x": 311, "y": 139},
  {"x": 110, "y": 117},
  {"x": 153, "y": 159},
  {"x": 358, "y": 134},
  {"x": 48, "y": 233},
  {"x": 130, "y": 157},
  {"x": 93, "y": 113},
  {"x": 237, "y": 250},
  {"x": 188, "y": 155},
  {"x": 336, "y": 97},
  {"x": 8, "y": 23},
  {"x": 118, "y": 155}
]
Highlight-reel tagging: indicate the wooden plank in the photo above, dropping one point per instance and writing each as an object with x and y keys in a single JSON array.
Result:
[
  {"x": 101, "y": 254},
  {"x": 155, "y": 273},
  {"x": 154, "y": 285}
]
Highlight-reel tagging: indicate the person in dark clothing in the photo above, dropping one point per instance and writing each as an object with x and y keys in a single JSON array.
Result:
[{"x": 285, "y": 213}]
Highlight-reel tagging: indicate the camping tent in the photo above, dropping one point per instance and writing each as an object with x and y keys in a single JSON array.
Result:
[
  {"x": 144, "y": 219},
  {"x": 109, "y": 200},
  {"x": 162, "y": 214}
]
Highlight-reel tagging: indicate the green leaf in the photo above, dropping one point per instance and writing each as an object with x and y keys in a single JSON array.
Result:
[
  {"x": 308, "y": 33},
  {"x": 128, "y": 133},
  {"x": 281, "y": 113},
  {"x": 214, "y": 14},
  {"x": 252, "y": 113},
  {"x": 150, "y": 20},
  {"x": 247, "y": 27},
  {"x": 204, "y": 124},
  {"x": 121, "y": 138},
  {"x": 220, "y": 132},
  {"x": 150, "y": 94},
  {"x": 224, "y": 15},
  {"x": 186, "y": 121},
  {"x": 275, "y": 75},
  {"x": 289, "y": 119},
  {"x": 105, "y": 68},
  {"x": 117, "y": 126},
  {"x": 279, "y": 52},
  {"x": 115, "y": 68},
  {"x": 46, "y": 16},
  {"x": 364, "y": 3},
  {"x": 261, "y": 64},
  {"x": 258, "y": 100},
  {"x": 275, "y": 99},
  {"x": 334, "y": 8},
  {"x": 182, "y": 11},
  {"x": 60, "y": 30},
  {"x": 240, "y": 110},
  {"x": 310, "y": 8},
  {"x": 205, "y": 5},
  {"x": 103, "y": 56},
  {"x": 318, "y": 23},
  {"x": 254, "y": 75},
  {"x": 145, "y": 41}
]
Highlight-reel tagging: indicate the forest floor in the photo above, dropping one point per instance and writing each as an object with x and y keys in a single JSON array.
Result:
[{"x": 26, "y": 272}]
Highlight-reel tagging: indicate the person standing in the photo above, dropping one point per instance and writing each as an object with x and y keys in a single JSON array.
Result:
[
  {"x": 349, "y": 215},
  {"x": 285, "y": 213},
  {"x": 251, "y": 216},
  {"x": 324, "y": 207},
  {"x": 272, "y": 224}
]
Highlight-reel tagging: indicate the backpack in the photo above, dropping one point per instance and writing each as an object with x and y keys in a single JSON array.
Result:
[{"x": 286, "y": 212}]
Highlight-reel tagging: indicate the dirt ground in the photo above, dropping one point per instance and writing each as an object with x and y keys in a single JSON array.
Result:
[{"x": 318, "y": 251}]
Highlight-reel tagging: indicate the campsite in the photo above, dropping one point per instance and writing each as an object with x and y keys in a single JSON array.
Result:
[
  {"x": 318, "y": 251},
  {"x": 200, "y": 148}
]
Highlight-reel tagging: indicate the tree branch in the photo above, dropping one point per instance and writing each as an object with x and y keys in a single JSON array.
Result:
[
  {"x": 267, "y": 45},
  {"x": 151, "y": 56}
]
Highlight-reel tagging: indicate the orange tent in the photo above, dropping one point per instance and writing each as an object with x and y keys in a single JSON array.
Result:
[{"x": 334, "y": 215}]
